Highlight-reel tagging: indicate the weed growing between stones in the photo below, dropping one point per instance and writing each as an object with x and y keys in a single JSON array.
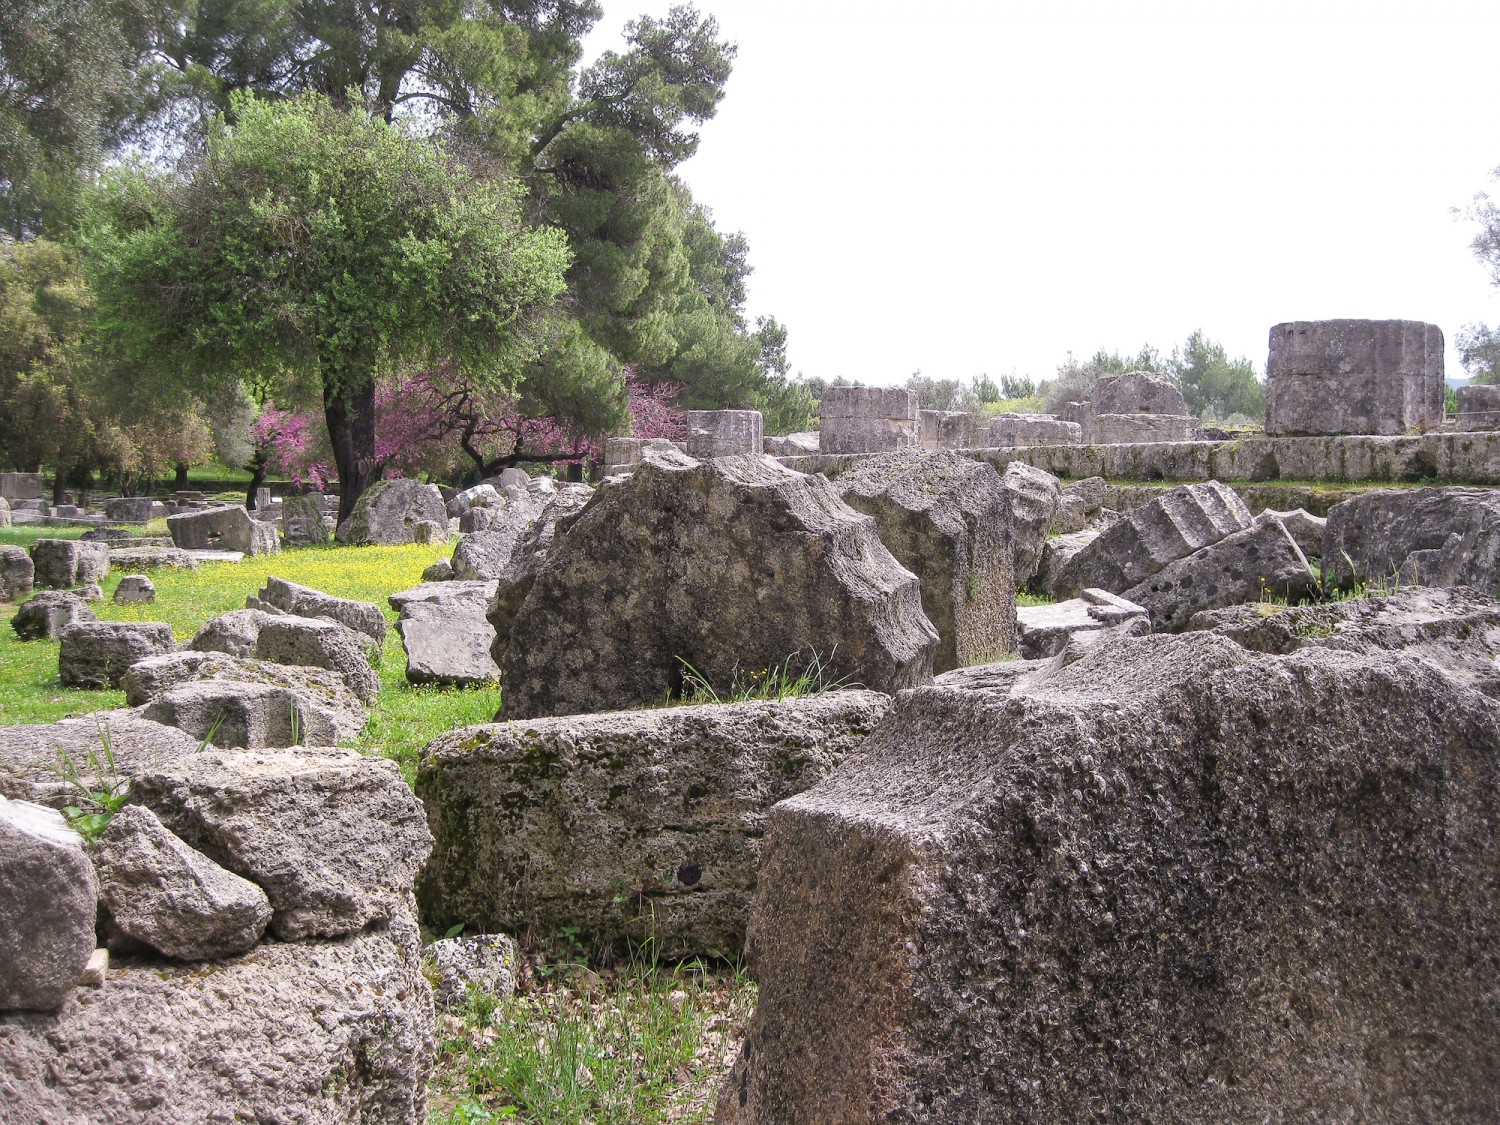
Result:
[
  {"x": 98, "y": 788},
  {"x": 793, "y": 678}
]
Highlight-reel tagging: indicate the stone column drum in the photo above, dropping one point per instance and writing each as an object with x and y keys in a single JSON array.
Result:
[
  {"x": 724, "y": 433},
  {"x": 868, "y": 420}
]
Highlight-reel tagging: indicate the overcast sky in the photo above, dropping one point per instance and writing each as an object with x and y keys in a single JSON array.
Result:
[{"x": 964, "y": 187}]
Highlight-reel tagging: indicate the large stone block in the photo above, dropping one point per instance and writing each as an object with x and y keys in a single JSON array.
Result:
[
  {"x": 96, "y": 654},
  {"x": 947, "y": 519},
  {"x": 17, "y": 574},
  {"x": 1171, "y": 527},
  {"x": 945, "y": 429},
  {"x": 483, "y": 556},
  {"x": 1478, "y": 408},
  {"x": 1354, "y": 377},
  {"x": 30, "y": 756},
  {"x": 1175, "y": 880},
  {"x": 792, "y": 445},
  {"x": 631, "y": 825},
  {"x": 1031, "y": 497},
  {"x": 301, "y": 1033},
  {"x": 527, "y": 557},
  {"x": 1016, "y": 431},
  {"x": 21, "y": 486},
  {"x": 304, "y": 523},
  {"x": 1429, "y": 536},
  {"x": 334, "y": 838},
  {"x": 1126, "y": 429},
  {"x": 279, "y": 595},
  {"x": 128, "y": 509},
  {"x": 234, "y": 633},
  {"x": 320, "y": 643},
  {"x": 1138, "y": 392},
  {"x": 48, "y": 902},
  {"x": 63, "y": 563},
  {"x": 448, "y": 642},
  {"x": 868, "y": 420},
  {"x": 387, "y": 513},
  {"x": 731, "y": 566},
  {"x": 227, "y": 528},
  {"x": 724, "y": 433}
]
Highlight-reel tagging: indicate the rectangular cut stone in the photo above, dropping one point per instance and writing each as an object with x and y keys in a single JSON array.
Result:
[
  {"x": 128, "y": 509},
  {"x": 946, "y": 429},
  {"x": 1354, "y": 377},
  {"x": 724, "y": 433},
  {"x": 1478, "y": 408},
  {"x": 1125, "y": 429},
  {"x": 1014, "y": 431},
  {"x": 868, "y": 420},
  {"x": 229, "y": 528},
  {"x": 20, "y": 486}
]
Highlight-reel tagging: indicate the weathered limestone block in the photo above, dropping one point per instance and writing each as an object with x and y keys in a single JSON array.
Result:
[
  {"x": 1306, "y": 529},
  {"x": 176, "y": 900},
  {"x": 482, "y": 495},
  {"x": 29, "y": 755},
  {"x": 1013, "y": 431},
  {"x": 442, "y": 570},
  {"x": 1428, "y": 536},
  {"x": 321, "y": 643},
  {"x": 1478, "y": 408},
  {"x": 527, "y": 556},
  {"x": 335, "y": 839},
  {"x": 483, "y": 555},
  {"x": 1138, "y": 392},
  {"x": 128, "y": 509},
  {"x": 17, "y": 574},
  {"x": 61, "y": 563},
  {"x": 946, "y": 429},
  {"x": 429, "y": 532},
  {"x": 387, "y": 513},
  {"x": 21, "y": 486},
  {"x": 1174, "y": 525},
  {"x": 227, "y": 528},
  {"x": 626, "y": 825},
  {"x": 303, "y": 522},
  {"x": 448, "y": 643},
  {"x": 1145, "y": 882},
  {"x": 947, "y": 519},
  {"x": 5, "y": 511},
  {"x": 234, "y": 633},
  {"x": 1125, "y": 429},
  {"x": 1045, "y": 630},
  {"x": 96, "y": 654},
  {"x": 792, "y": 445},
  {"x": 1057, "y": 552},
  {"x": 1354, "y": 377},
  {"x": 304, "y": 601},
  {"x": 135, "y": 589},
  {"x": 1031, "y": 498},
  {"x": 732, "y": 566},
  {"x": 48, "y": 901},
  {"x": 301, "y": 1034},
  {"x": 487, "y": 962},
  {"x": 1262, "y": 561},
  {"x": 868, "y": 420},
  {"x": 463, "y": 594},
  {"x": 724, "y": 433},
  {"x": 622, "y": 455},
  {"x": 138, "y": 559},
  {"x": 1079, "y": 505}
]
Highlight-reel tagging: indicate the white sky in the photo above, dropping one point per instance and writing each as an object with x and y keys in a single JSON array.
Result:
[{"x": 967, "y": 187}]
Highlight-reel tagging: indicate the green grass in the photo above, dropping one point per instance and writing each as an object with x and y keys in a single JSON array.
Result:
[
  {"x": 643, "y": 1047},
  {"x": 1025, "y": 598},
  {"x": 403, "y": 719}
]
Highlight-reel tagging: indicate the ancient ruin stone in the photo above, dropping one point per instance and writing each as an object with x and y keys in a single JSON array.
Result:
[
  {"x": 135, "y": 589},
  {"x": 868, "y": 420},
  {"x": 1128, "y": 429},
  {"x": 526, "y": 558},
  {"x": 1031, "y": 499},
  {"x": 448, "y": 643},
  {"x": 1057, "y": 552},
  {"x": 1138, "y": 392},
  {"x": 61, "y": 563},
  {"x": 1146, "y": 882},
  {"x": 429, "y": 532},
  {"x": 464, "y": 594},
  {"x": 442, "y": 570},
  {"x": 482, "y": 495},
  {"x": 387, "y": 513},
  {"x": 622, "y": 455},
  {"x": 1305, "y": 529},
  {"x": 947, "y": 519},
  {"x": 4, "y": 512},
  {"x": 1079, "y": 505},
  {"x": 300, "y": 1034},
  {"x": 792, "y": 445},
  {"x": 733, "y": 566},
  {"x": 946, "y": 429},
  {"x": 1478, "y": 408},
  {"x": 334, "y": 838},
  {"x": 626, "y": 825},
  {"x": 303, "y": 522},
  {"x": 30, "y": 755},
  {"x": 95, "y": 654},
  {"x": 137, "y": 559},
  {"x": 321, "y": 643},
  {"x": 1427, "y": 536},
  {"x": 1016, "y": 431},
  {"x": 487, "y": 962},
  {"x": 176, "y": 900},
  {"x": 16, "y": 574},
  {"x": 1258, "y": 563},
  {"x": 1354, "y": 377},
  {"x": 128, "y": 509},
  {"x": 1171, "y": 527},
  {"x": 227, "y": 528},
  {"x": 234, "y": 633},
  {"x": 484, "y": 555},
  {"x": 48, "y": 900},
  {"x": 303, "y": 601},
  {"x": 724, "y": 433},
  {"x": 1044, "y": 630}
]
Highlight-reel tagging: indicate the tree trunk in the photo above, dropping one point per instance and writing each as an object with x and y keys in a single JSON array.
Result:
[
  {"x": 257, "y": 469},
  {"x": 181, "y": 482},
  {"x": 350, "y": 413},
  {"x": 59, "y": 487}
]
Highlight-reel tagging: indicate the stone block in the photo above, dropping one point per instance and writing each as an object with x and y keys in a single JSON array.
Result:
[
  {"x": 487, "y": 962},
  {"x": 44, "y": 616},
  {"x": 1016, "y": 431},
  {"x": 321, "y": 643},
  {"x": 946, "y": 429},
  {"x": 1031, "y": 498},
  {"x": 135, "y": 589},
  {"x": 303, "y": 601},
  {"x": 227, "y": 528},
  {"x": 626, "y": 825},
  {"x": 17, "y": 574},
  {"x": 724, "y": 433},
  {"x": 387, "y": 513},
  {"x": 792, "y": 445},
  {"x": 1138, "y": 392},
  {"x": 21, "y": 486},
  {"x": 96, "y": 654},
  {"x": 868, "y": 420},
  {"x": 303, "y": 522},
  {"x": 1478, "y": 408},
  {"x": 61, "y": 563},
  {"x": 234, "y": 633},
  {"x": 1442, "y": 537},
  {"x": 48, "y": 902},
  {"x": 128, "y": 509},
  {"x": 1354, "y": 377},
  {"x": 1128, "y": 429},
  {"x": 1045, "y": 630},
  {"x": 448, "y": 643}
]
